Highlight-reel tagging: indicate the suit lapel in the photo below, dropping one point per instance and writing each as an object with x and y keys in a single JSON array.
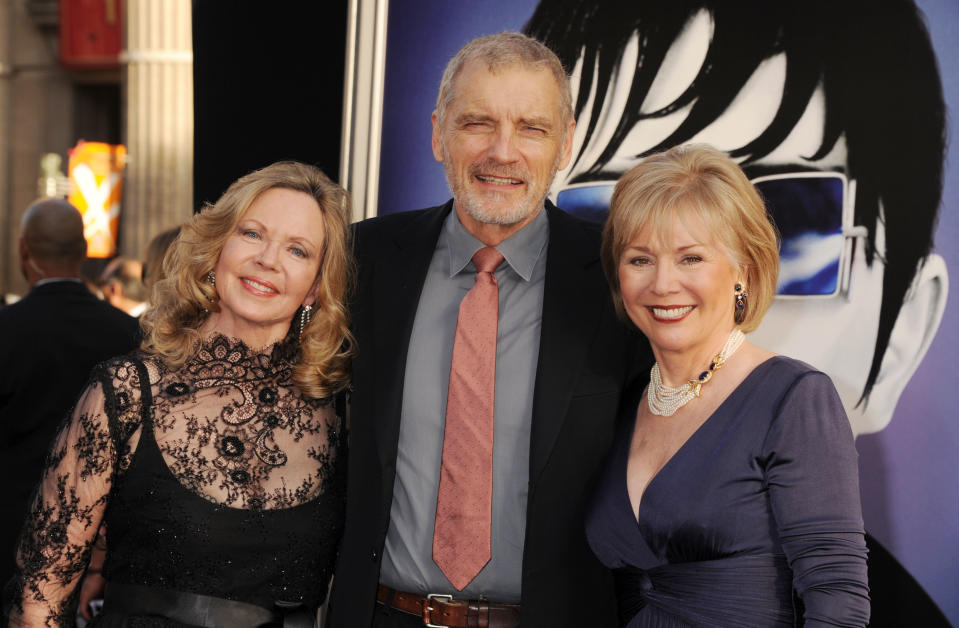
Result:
[
  {"x": 398, "y": 279},
  {"x": 572, "y": 305}
]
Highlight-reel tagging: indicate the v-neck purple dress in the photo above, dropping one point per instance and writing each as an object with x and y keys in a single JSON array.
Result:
[{"x": 760, "y": 503}]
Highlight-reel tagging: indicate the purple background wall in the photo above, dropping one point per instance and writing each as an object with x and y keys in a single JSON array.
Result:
[{"x": 909, "y": 471}]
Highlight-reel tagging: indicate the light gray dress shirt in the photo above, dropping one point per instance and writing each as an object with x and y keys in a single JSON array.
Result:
[{"x": 407, "y": 559}]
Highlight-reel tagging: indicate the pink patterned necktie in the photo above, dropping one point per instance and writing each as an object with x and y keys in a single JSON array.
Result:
[{"x": 461, "y": 538}]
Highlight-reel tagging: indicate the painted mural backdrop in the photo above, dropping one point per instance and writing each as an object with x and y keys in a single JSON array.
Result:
[{"x": 849, "y": 92}]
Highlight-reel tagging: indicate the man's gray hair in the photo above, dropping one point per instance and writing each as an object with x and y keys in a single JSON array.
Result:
[{"x": 500, "y": 51}]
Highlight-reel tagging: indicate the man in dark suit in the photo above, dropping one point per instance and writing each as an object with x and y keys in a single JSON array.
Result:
[
  {"x": 502, "y": 128},
  {"x": 49, "y": 342}
]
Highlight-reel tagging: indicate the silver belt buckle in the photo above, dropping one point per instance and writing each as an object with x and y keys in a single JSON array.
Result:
[{"x": 428, "y": 610}]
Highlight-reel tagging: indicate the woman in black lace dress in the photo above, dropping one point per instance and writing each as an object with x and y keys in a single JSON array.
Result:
[{"x": 215, "y": 455}]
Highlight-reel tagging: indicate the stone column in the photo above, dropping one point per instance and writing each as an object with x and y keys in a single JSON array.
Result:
[
  {"x": 158, "y": 94},
  {"x": 8, "y": 217}
]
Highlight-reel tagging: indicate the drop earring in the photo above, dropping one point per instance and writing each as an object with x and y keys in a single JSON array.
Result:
[
  {"x": 306, "y": 313},
  {"x": 739, "y": 313},
  {"x": 211, "y": 279}
]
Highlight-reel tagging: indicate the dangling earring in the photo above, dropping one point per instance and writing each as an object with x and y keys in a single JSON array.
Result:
[
  {"x": 739, "y": 314},
  {"x": 306, "y": 313},
  {"x": 211, "y": 279}
]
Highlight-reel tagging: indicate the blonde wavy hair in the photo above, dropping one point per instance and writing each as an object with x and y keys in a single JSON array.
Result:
[
  {"x": 698, "y": 181},
  {"x": 182, "y": 299}
]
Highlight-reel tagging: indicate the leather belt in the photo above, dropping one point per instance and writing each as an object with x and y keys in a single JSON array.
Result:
[
  {"x": 203, "y": 610},
  {"x": 442, "y": 611}
]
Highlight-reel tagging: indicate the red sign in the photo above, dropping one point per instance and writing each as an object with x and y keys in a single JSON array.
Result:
[{"x": 91, "y": 33}]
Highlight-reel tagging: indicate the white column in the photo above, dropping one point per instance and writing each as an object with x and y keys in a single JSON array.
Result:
[
  {"x": 158, "y": 93},
  {"x": 363, "y": 104}
]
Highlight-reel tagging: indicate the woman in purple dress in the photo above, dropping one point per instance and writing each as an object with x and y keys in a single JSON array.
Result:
[{"x": 731, "y": 497}]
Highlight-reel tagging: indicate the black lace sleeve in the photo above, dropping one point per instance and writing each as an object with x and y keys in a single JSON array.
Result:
[
  {"x": 91, "y": 448},
  {"x": 344, "y": 405}
]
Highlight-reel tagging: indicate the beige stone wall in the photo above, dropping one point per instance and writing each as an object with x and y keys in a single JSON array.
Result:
[{"x": 35, "y": 118}]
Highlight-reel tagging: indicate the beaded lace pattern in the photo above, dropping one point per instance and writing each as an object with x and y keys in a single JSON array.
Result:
[
  {"x": 666, "y": 400},
  {"x": 231, "y": 428}
]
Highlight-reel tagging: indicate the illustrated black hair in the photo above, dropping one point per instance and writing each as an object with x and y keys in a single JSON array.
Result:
[{"x": 873, "y": 58}]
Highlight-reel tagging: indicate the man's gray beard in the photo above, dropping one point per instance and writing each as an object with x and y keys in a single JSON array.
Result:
[{"x": 480, "y": 210}]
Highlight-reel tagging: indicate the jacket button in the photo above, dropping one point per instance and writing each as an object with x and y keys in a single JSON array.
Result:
[{"x": 374, "y": 555}]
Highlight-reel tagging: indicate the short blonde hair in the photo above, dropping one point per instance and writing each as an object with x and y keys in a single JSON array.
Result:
[
  {"x": 183, "y": 296},
  {"x": 697, "y": 181}
]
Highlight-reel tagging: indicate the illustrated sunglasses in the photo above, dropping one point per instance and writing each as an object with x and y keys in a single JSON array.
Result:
[{"x": 813, "y": 212}]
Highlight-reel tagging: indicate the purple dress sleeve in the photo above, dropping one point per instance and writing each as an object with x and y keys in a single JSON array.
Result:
[{"x": 812, "y": 475}]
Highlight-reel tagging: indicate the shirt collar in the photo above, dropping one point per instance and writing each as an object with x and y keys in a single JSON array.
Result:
[
  {"x": 44, "y": 282},
  {"x": 521, "y": 250}
]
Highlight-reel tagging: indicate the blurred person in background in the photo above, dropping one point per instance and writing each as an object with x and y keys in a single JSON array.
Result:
[
  {"x": 152, "y": 270},
  {"x": 121, "y": 285},
  {"x": 49, "y": 342}
]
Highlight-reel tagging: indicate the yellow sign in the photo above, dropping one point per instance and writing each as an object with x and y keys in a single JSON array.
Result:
[{"x": 96, "y": 177}]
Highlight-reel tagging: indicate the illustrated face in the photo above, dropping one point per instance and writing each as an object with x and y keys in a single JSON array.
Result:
[
  {"x": 268, "y": 266},
  {"x": 836, "y": 334},
  {"x": 501, "y": 143},
  {"x": 679, "y": 289}
]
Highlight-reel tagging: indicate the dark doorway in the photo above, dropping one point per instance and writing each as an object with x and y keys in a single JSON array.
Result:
[{"x": 268, "y": 85}]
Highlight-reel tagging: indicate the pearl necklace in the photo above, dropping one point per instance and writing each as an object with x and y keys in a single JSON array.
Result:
[{"x": 666, "y": 400}]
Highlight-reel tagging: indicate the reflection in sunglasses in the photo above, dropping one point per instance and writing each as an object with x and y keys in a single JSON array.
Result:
[
  {"x": 807, "y": 208},
  {"x": 811, "y": 210}
]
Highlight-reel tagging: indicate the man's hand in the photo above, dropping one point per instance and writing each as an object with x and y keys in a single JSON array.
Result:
[
  {"x": 93, "y": 583},
  {"x": 91, "y": 589}
]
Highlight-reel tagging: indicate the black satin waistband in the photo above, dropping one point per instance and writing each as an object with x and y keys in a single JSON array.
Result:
[
  {"x": 752, "y": 590},
  {"x": 203, "y": 610}
]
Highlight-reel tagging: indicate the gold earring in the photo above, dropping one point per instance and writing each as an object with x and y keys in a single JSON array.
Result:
[{"x": 739, "y": 313}]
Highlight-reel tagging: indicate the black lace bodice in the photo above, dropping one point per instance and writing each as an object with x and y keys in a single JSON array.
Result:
[{"x": 217, "y": 478}]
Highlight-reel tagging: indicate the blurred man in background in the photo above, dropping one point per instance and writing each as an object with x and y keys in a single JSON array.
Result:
[
  {"x": 49, "y": 342},
  {"x": 121, "y": 285}
]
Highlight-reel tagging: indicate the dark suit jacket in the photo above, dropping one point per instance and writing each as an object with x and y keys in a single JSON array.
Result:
[
  {"x": 49, "y": 342},
  {"x": 584, "y": 361}
]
